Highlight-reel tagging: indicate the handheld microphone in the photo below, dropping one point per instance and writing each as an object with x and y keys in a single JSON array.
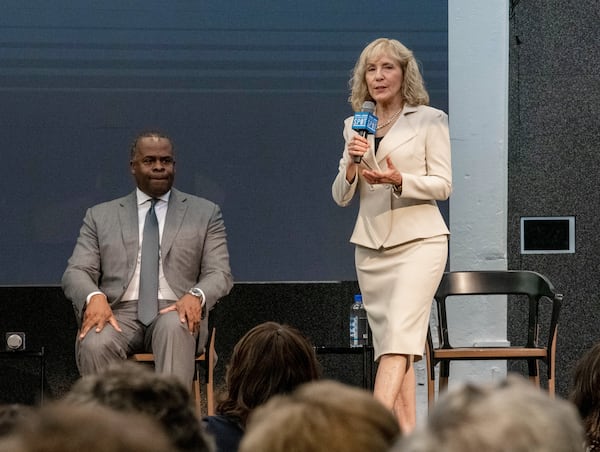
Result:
[{"x": 364, "y": 122}]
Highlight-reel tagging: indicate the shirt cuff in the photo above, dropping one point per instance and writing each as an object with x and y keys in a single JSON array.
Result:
[{"x": 89, "y": 297}]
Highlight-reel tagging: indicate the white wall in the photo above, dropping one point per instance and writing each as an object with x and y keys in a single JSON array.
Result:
[{"x": 478, "y": 45}]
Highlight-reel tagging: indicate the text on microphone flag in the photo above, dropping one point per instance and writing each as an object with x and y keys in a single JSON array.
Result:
[{"x": 364, "y": 121}]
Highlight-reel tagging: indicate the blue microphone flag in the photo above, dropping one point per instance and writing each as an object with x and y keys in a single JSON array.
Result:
[{"x": 364, "y": 120}]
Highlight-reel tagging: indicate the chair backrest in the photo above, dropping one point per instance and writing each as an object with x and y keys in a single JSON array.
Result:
[{"x": 508, "y": 282}]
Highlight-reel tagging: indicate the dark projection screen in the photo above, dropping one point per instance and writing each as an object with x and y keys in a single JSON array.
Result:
[{"x": 253, "y": 93}]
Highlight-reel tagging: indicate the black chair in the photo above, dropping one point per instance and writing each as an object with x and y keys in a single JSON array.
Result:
[{"x": 539, "y": 346}]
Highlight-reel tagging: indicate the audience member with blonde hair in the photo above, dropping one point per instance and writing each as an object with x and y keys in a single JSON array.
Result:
[
  {"x": 11, "y": 414},
  {"x": 512, "y": 416},
  {"x": 325, "y": 416},
  {"x": 585, "y": 394},
  {"x": 269, "y": 359},
  {"x": 64, "y": 428}
]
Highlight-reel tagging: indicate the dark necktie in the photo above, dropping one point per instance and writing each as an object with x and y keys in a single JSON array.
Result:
[{"x": 148, "y": 298}]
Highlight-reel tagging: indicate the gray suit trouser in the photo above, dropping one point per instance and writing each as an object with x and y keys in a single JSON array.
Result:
[{"x": 172, "y": 344}]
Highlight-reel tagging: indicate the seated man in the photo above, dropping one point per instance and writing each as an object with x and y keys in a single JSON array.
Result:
[{"x": 144, "y": 268}]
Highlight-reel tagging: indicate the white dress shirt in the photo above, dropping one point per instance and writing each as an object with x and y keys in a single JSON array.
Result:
[{"x": 143, "y": 202}]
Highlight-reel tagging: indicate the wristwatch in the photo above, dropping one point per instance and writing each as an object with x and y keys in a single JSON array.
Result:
[{"x": 198, "y": 293}]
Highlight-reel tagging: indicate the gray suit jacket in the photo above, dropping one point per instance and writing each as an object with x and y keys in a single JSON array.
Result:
[{"x": 193, "y": 251}]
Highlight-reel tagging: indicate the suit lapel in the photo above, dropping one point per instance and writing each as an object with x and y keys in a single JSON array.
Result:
[
  {"x": 128, "y": 217},
  {"x": 173, "y": 220},
  {"x": 400, "y": 133},
  {"x": 369, "y": 158}
]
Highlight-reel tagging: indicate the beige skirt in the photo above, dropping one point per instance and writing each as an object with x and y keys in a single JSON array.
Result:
[{"x": 397, "y": 286}]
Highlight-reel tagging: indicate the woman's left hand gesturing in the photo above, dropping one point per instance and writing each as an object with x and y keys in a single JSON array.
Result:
[{"x": 390, "y": 176}]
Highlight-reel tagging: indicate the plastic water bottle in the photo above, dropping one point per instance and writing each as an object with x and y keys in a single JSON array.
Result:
[{"x": 359, "y": 326}]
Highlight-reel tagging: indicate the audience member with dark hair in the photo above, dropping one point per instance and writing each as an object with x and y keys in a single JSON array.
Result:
[
  {"x": 512, "y": 416},
  {"x": 325, "y": 416},
  {"x": 133, "y": 388},
  {"x": 11, "y": 415},
  {"x": 62, "y": 428},
  {"x": 269, "y": 359},
  {"x": 585, "y": 394}
]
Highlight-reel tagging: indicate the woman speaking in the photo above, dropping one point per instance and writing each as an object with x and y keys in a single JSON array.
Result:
[{"x": 400, "y": 236}]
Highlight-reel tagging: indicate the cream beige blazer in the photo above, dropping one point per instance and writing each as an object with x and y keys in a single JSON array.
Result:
[{"x": 419, "y": 147}]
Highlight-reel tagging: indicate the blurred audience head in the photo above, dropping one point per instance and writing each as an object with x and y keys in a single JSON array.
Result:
[
  {"x": 323, "y": 416},
  {"x": 269, "y": 359},
  {"x": 512, "y": 416},
  {"x": 585, "y": 393},
  {"x": 62, "y": 428},
  {"x": 134, "y": 388},
  {"x": 13, "y": 414}
]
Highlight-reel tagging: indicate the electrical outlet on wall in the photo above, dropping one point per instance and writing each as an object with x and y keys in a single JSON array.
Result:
[{"x": 14, "y": 341}]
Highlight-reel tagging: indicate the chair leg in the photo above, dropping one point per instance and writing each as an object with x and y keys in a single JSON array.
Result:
[
  {"x": 444, "y": 375},
  {"x": 210, "y": 396},
  {"x": 210, "y": 385},
  {"x": 210, "y": 393},
  {"x": 443, "y": 384},
  {"x": 534, "y": 371},
  {"x": 551, "y": 388},
  {"x": 430, "y": 379},
  {"x": 552, "y": 366},
  {"x": 535, "y": 380},
  {"x": 197, "y": 392},
  {"x": 430, "y": 392}
]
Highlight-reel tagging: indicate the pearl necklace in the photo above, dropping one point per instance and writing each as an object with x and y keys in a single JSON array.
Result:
[{"x": 387, "y": 123}]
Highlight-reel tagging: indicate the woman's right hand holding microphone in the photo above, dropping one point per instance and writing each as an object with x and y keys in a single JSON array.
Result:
[{"x": 357, "y": 148}]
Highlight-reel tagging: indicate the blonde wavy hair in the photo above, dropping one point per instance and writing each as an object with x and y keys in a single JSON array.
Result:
[{"x": 413, "y": 87}]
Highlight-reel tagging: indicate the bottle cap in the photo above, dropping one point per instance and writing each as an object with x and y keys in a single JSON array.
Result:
[{"x": 358, "y": 298}]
